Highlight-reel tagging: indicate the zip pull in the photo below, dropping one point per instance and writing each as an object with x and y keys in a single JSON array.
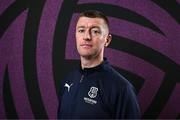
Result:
[{"x": 82, "y": 77}]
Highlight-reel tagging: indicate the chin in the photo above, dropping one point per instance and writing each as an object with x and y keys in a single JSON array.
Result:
[{"x": 86, "y": 55}]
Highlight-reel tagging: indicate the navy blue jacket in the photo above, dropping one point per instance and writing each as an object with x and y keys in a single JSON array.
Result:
[{"x": 98, "y": 92}]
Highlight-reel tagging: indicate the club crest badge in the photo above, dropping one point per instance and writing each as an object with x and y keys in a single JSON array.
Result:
[{"x": 93, "y": 92}]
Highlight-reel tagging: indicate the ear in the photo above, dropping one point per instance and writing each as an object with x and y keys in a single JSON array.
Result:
[{"x": 108, "y": 40}]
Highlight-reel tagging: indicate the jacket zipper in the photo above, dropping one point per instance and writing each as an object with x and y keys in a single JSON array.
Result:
[{"x": 82, "y": 77}]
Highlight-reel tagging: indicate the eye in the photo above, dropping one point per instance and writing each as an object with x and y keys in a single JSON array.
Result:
[
  {"x": 95, "y": 31},
  {"x": 81, "y": 31}
]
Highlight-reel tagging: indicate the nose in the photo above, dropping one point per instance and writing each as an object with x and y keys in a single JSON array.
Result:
[{"x": 87, "y": 35}]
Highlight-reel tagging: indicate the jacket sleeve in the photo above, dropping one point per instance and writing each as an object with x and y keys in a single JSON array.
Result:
[
  {"x": 126, "y": 103},
  {"x": 60, "y": 93}
]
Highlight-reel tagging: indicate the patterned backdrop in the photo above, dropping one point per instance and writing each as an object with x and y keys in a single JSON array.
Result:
[{"x": 37, "y": 49}]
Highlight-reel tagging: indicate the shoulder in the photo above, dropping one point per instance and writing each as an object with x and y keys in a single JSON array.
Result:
[
  {"x": 113, "y": 77},
  {"x": 115, "y": 86},
  {"x": 72, "y": 74},
  {"x": 69, "y": 78}
]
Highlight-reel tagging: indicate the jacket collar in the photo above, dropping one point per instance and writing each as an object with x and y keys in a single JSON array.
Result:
[{"x": 87, "y": 71}]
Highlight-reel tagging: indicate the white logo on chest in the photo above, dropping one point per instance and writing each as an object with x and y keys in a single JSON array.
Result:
[
  {"x": 68, "y": 86},
  {"x": 93, "y": 92}
]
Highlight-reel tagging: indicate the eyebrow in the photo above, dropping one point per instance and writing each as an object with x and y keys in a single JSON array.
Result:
[
  {"x": 80, "y": 27},
  {"x": 90, "y": 27}
]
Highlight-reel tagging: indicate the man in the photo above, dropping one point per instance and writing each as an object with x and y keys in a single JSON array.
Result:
[{"x": 95, "y": 90}]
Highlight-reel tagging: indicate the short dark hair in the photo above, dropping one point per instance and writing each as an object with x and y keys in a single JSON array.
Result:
[{"x": 95, "y": 14}]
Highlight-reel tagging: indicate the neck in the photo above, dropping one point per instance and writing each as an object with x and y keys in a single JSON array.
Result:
[{"x": 90, "y": 62}]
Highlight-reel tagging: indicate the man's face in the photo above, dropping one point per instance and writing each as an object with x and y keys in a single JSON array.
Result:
[{"x": 91, "y": 36}]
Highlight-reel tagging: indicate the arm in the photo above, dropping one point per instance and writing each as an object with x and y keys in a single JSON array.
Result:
[
  {"x": 60, "y": 93},
  {"x": 127, "y": 104}
]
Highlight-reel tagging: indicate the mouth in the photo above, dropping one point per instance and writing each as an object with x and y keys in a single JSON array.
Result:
[{"x": 86, "y": 45}]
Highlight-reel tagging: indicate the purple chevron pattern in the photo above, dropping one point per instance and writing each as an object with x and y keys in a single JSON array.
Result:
[{"x": 151, "y": 53}]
